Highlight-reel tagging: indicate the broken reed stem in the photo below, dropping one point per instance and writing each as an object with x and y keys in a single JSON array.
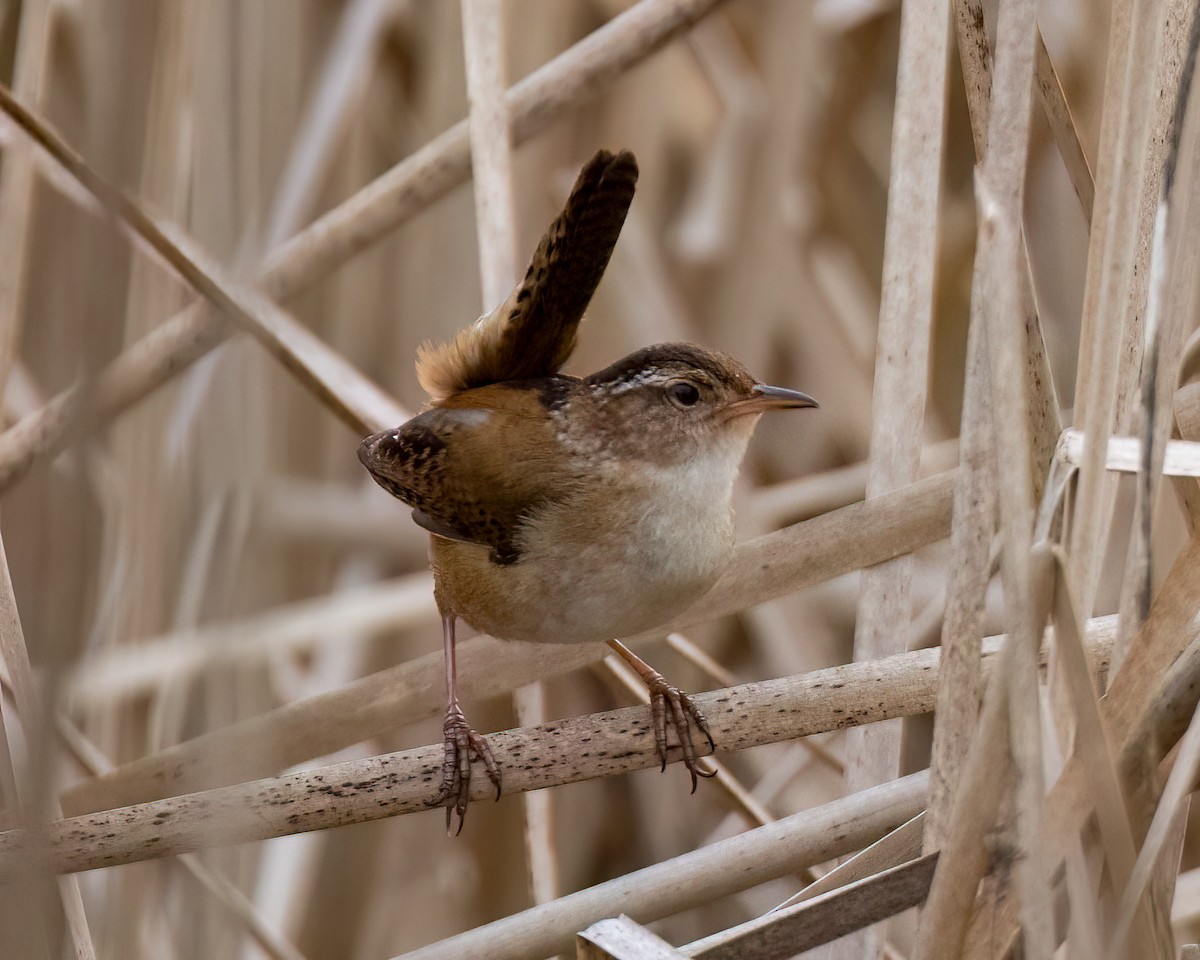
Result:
[
  {"x": 1066, "y": 135},
  {"x": 764, "y": 568},
  {"x": 694, "y": 879},
  {"x": 548, "y": 755},
  {"x": 413, "y": 184},
  {"x": 1145, "y": 710},
  {"x": 812, "y": 922}
]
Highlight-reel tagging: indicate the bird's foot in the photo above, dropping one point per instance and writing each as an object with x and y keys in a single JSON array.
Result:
[
  {"x": 671, "y": 706},
  {"x": 462, "y": 744}
]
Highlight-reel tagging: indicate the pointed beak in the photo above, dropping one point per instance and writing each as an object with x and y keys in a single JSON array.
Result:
[
  {"x": 763, "y": 398},
  {"x": 779, "y": 398}
]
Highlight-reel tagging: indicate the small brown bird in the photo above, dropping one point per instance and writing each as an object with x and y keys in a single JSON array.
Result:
[{"x": 564, "y": 509}]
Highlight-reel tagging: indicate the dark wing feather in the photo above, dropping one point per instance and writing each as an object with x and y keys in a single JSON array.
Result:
[{"x": 471, "y": 471}]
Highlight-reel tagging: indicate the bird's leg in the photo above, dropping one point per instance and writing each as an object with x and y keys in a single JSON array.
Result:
[
  {"x": 670, "y": 705},
  {"x": 461, "y": 744}
]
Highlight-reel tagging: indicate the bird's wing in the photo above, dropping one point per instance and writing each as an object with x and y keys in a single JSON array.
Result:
[
  {"x": 533, "y": 332},
  {"x": 473, "y": 469}
]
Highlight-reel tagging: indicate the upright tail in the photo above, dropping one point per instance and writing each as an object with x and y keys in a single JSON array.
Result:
[{"x": 533, "y": 332}]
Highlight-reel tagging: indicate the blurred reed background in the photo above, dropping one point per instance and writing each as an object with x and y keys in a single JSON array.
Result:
[{"x": 209, "y": 589}]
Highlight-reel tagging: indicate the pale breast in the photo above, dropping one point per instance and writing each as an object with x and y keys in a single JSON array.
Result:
[{"x": 613, "y": 561}]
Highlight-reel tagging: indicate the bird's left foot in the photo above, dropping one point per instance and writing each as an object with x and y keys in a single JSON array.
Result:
[{"x": 671, "y": 706}]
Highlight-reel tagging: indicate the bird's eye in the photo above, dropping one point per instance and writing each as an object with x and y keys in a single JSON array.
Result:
[{"x": 683, "y": 394}]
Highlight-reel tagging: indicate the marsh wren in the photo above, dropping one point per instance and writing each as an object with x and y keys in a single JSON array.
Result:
[{"x": 562, "y": 509}]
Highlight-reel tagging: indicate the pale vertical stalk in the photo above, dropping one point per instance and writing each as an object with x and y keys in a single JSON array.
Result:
[
  {"x": 1002, "y": 195},
  {"x": 490, "y": 126},
  {"x": 963, "y": 859},
  {"x": 995, "y": 300},
  {"x": 905, "y": 321},
  {"x": 15, "y": 655},
  {"x": 969, "y": 570},
  {"x": 969, "y": 573},
  {"x": 1162, "y": 329},
  {"x": 27, "y": 902},
  {"x": 1134, "y": 43},
  {"x": 1170, "y": 259},
  {"x": 901, "y": 363},
  {"x": 18, "y": 178},
  {"x": 975, "y": 55},
  {"x": 270, "y": 941},
  {"x": 343, "y": 79}
]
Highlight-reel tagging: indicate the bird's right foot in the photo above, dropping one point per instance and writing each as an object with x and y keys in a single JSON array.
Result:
[{"x": 462, "y": 744}]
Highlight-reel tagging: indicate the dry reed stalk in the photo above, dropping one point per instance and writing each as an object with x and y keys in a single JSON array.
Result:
[
  {"x": 32, "y": 803},
  {"x": 807, "y": 553},
  {"x": 895, "y": 848},
  {"x": 1167, "y": 260},
  {"x": 1066, "y": 135},
  {"x": 1135, "y": 42},
  {"x": 18, "y": 180},
  {"x": 496, "y": 228},
  {"x": 778, "y": 936},
  {"x": 208, "y": 879},
  {"x": 696, "y": 878},
  {"x": 1164, "y": 324},
  {"x": 620, "y": 937},
  {"x": 975, "y": 58},
  {"x": 1173, "y": 802},
  {"x": 996, "y": 285},
  {"x": 359, "y": 790},
  {"x": 345, "y": 391},
  {"x": 343, "y": 82},
  {"x": 970, "y": 547},
  {"x": 902, "y": 353},
  {"x": 491, "y": 149},
  {"x": 1181, "y": 458},
  {"x": 1141, "y": 711},
  {"x": 390, "y": 785},
  {"x": 299, "y": 512},
  {"x": 137, "y": 669},
  {"x": 409, "y": 187},
  {"x": 1001, "y": 189},
  {"x": 1091, "y": 744},
  {"x": 770, "y": 136},
  {"x": 794, "y": 500}
]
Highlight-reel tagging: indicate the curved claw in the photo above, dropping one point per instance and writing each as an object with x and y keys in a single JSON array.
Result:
[
  {"x": 669, "y": 704},
  {"x": 462, "y": 744}
]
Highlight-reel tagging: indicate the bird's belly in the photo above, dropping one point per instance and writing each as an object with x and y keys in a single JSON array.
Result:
[{"x": 596, "y": 592}]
